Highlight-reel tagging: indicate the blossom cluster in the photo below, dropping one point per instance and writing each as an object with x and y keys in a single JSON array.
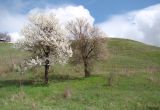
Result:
[{"x": 42, "y": 32}]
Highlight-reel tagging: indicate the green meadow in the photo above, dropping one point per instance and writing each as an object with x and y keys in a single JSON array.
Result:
[{"x": 129, "y": 79}]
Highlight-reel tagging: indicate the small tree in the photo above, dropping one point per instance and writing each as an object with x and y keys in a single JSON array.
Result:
[
  {"x": 45, "y": 40},
  {"x": 88, "y": 43},
  {"x": 4, "y": 37}
]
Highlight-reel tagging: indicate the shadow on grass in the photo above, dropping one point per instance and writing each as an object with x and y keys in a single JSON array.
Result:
[
  {"x": 37, "y": 82},
  {"x": 62, "y": 78},
  {"x": 16, "y": 83}
]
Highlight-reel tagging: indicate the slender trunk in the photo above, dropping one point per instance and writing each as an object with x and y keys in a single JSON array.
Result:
[
  {"x": 47, "y": 63},
  {"x": 46, "y": 70},
  {"x": 86, "y": 69}
]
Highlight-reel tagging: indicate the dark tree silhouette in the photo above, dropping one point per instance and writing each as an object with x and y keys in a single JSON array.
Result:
[{"x": 88, "y": 43}]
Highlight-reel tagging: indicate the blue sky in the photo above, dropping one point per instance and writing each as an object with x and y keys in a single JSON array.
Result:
[
  {"x": 102, "y": 9},
  {"x": 132, "y": 19},
  {"x": 99, "y": 9}
]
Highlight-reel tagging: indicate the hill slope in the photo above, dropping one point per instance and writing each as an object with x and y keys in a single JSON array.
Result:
[
  {"x": 133, "y": 69},
  {"x": 131, "y": 55}
]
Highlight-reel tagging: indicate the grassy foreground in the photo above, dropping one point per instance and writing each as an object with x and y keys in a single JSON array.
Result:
[{"x": 134, "y": 70}]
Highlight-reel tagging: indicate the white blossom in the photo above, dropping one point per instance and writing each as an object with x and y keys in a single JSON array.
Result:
[{"x": 43, "y": 31}]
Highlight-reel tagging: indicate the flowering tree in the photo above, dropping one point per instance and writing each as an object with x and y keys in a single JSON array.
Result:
[{"x": 45, "y": 40}]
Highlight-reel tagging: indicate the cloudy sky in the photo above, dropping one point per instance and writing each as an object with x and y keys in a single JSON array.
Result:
[{"x": 132, "y": 19}]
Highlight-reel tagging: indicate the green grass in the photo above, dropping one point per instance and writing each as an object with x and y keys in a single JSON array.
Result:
[
  {"x": 136, "y": 82},
  {"x": 9, "y": 55}
]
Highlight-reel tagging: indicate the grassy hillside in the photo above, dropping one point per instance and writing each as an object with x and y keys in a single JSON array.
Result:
[
  {"x": 8, "y": 56},
  {"x": 130, "y": 57},
  {"x": 132, "y": 68}
]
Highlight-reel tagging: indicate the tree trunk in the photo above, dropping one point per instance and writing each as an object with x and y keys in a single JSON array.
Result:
[
  {"x": 86, "y": 69},
  {"x": 47, "y": 64},
  {"x": 46, "y": 70}
]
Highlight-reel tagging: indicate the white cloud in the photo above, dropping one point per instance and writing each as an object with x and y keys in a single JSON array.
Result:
[
  {"x": 67, "y": 13},
  {"x": 13, "y": 23},
  {"x": 141, "y": 25},
  {"x": 15, "y": 36}
]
